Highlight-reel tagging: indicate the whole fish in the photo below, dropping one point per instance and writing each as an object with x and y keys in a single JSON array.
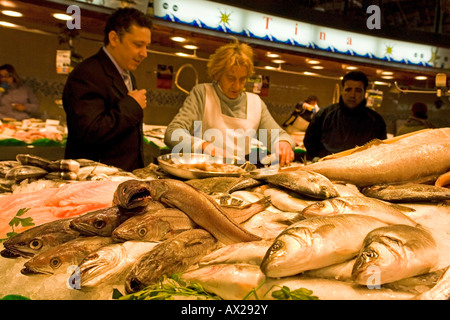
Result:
[
  {"x": 33, "y": 160},
  {"x": 40, "y": 238},
  {"x": 229, "y": 281},
  {"x": 414, "y": 158},
  {"x": 102, "y": 222},
  {"x": 410, "y": 192},
  {"x": 174, "y": 255},
  {"x": 156, "y": 225},
  {"x": 7, "y": 165},
  {"x": 111, "y": 263},
  {"x": 307, "y": 183},
  {"x": 58, "y": 259},
  {"x": 316, "y": 243},
  {"x": 245, "y": 212},
  {"x": 251, "y": 252},
  {"x": 25, "y": 172},
  {"x": 201, "y": 208},
  {"x": 394, "y": 252},
  {"x": 384, "y": 211}
]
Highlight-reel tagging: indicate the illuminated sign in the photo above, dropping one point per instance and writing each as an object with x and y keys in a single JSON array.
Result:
[
  {"x": 141, "y": 5},
  {"x": 235, "y": 21}
]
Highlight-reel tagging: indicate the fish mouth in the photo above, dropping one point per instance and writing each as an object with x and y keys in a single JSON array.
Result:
[
  {"x": 5, "y": 253},
  {"x": 10, "y": 252},
  {"x": 29, "y": 271},
  {"x": 133, "y": 285}
]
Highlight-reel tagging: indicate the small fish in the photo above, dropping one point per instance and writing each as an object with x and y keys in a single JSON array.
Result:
[
  {"x": 25, "y": 172},
  {"x": 171, "y": 256},
  {"x": 58, "y": 258},
  {"x": 155, "y": 225},
  {"x": 316, "y": 243},
  {"x": 393, "y": 253},
  {"x": 410, "y": 192},
  {"x": 251, "y": 252},
  {"x": 111, "y": 263},
  {"x": 200, "y": 207},
  {"x": 229, "y": 281},
  {"x": 102, "y": 222},
  {"x": 132, "y": 194},
  {"x": 384, "y": 211},
  {"x": 33, "y": 160},
  {"x": 40, "y": 238},
  {"x": 303, "y": 182}
]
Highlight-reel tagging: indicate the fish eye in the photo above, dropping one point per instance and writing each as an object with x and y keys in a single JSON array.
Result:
[
  {"x": 35, "y": 244},
  {"x": 142, "y": 231},
  {"x": 277, "y": 245},
  {"x": 55, "y": 263},
  {"x": 99, "y": 224},
  {"x": 369, "y": 255}
]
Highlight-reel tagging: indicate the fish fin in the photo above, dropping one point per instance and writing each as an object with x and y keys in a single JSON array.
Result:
[
  {"x": 401, "y": 207},
  {"x": 323, "y": 230}
]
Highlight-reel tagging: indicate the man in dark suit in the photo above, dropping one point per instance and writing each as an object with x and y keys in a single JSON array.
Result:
[{"x": 104, "y": 110}]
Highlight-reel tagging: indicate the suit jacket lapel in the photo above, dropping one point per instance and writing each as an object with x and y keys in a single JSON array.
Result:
[{"x": 112, "y": 72}]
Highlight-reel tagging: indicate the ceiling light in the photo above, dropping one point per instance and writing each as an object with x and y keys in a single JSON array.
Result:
[
  {"x": 351, "y": 68},
  {"x": 278, "y": 61},
  {"x": 178, "y": 39},
  {"x": 309, "y": 73},
  {"x": 387, "y": 73},
  {"x": 272, "y": 55},
  {"x": 182, "y": 54},
  {"x": 12, "y": 13},
  {"x": 421, "y": 77},
  {"x": 270, "y": 68},
  {"x": 310, "y": 61},
  {"x": 8, "y": 24},
  {"x": 317, "y": 67},
  {"x": 387, "y": 77},
  {"x": 190, "y": 47},
  {"x": 62, "y": 16}
]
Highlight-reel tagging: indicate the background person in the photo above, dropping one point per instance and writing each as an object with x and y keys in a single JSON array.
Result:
[
  {"x": 104, "y": 108},
  {"x": 417, "y": 121},
  {"x": 223, "y": 105},
  {"x": 17, "y": 100},
  {"x": 346, "y": 124}
]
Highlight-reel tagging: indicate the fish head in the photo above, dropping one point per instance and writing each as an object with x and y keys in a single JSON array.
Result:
[
  {"x": 321, "y": 208},
  {"x": 100, "y": 222},
  {"x": 290, "y": 248},
  {"x": 28, "y": 244},
  {"x": 132, "y": 194},
  {"x": 377, "y": 263},
  {"x": 96, "y": 265},
  {"x": 43, "y": 264}
]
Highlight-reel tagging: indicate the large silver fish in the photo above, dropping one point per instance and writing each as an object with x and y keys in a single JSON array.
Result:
[
  {"x": 415, "y": 158},
  {"x": 384, "y": 211},
  {"x": 317, "y": 242},
  {"x": 395, "y": 252},
  {"x": 307, "y": 183},
  {"x": 154, "y": 225},
  {"x": 102, "y": 222},
  {"x": 201, "y": 208},
  {"x": 58, "y": 259},
  {"x": 40, "y": 238},
  {"x": 410, "y": 192},
  {"x": 174, "y": 255},
  {"x": 111, "y": 263}
]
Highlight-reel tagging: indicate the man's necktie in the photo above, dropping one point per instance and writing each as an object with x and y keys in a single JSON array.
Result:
[{"x": 127, "y": 79}]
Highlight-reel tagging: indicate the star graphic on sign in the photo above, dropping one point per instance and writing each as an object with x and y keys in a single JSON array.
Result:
[
  {"x": 389, "y": 49},
  {"x": 225, "y": 17}
]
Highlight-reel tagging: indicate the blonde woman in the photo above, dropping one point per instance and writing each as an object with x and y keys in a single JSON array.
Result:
[{"x": 220, "y": 119}]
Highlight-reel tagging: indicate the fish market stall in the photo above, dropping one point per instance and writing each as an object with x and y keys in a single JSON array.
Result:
[{"x": 213, "y": 230}]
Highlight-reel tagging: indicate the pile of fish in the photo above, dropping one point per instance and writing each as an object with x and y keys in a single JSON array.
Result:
[
  {"x": 339, "y": 234},
  {"x": 19, "y": 174}
]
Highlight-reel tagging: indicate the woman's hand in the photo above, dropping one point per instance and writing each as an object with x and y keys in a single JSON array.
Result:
[
  {"x": 214, "y": 151},
  {"x": 284, "y": 151}
]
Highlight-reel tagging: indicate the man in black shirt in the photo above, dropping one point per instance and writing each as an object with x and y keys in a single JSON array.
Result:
[{"x": 347, "y": 124}]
